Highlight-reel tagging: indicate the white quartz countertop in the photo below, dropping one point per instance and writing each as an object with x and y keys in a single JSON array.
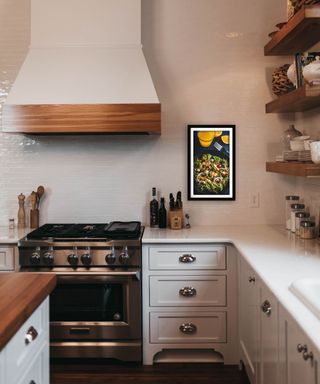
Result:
[
  {"x": 278, "y": 257},
  {"x": 12, "y": 236}
]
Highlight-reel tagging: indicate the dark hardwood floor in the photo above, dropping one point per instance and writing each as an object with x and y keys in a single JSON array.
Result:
[{"x": 135, "y": 374}]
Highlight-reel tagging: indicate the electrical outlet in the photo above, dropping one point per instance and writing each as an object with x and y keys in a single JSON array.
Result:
[{"x": 254, "y": 200}]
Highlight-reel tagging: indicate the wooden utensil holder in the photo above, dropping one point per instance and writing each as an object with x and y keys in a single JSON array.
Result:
[
  {"x": 175, "y": 218},
  {"x": 34, "y": 218}
]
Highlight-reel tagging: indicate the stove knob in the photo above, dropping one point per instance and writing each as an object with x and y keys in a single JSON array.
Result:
[
  {"x": 35, "y": 257},
  {"x": 73, "y": 259},
  {"x": 124, "y": 257},
  {"x": 48, "y": 258},
  {"x": 111, "y": 257},
  {"x": 86, "y": 259}
]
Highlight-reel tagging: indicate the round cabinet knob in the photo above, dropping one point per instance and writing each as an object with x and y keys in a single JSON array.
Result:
[
  {"x": 48, "y": 258},
  {"x": 302, "y": 348},
  {"x": 31, "y": 335},
  {"x": 35, "y": 258},
  {"x": 73, "y": 259},
  {"x": 124, "y": 257},
  {"x": 307, "y": 355},
  {"x": 266, "y": 307},
  {"x": 86, "y": 259}
]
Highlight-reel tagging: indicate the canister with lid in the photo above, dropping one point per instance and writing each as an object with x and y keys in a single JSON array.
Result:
[
  {"x": 294, "y": 209},
  {"x": 301, "y": 216},
  {"x": 307, "y": 229},
  {"x": 290, "y": 200}
]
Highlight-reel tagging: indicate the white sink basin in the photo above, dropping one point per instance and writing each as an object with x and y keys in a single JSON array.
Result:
[{"x": 308, "y": 292}]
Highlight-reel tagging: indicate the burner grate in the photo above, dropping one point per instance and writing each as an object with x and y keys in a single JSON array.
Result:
[{"x": 116, "y": 229}]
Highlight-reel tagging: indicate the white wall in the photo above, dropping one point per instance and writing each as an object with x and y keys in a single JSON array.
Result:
[{"x": 206, "y": 59}]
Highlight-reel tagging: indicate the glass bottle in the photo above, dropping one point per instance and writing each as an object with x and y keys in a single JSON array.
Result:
[
  {"x": 290, "y": 200},
  {"x": 11, "y": 223},
  {"x": 294, "y": 209},
  {"x": 301, "y": 216},
  {"x": 154, "y": 210},
  {"x": 307, "y": 230},
  {"x": 162, "y": 214}
]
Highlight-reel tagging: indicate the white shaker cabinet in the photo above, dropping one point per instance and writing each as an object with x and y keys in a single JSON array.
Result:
[
  {"x": 299, "y": 362},
  {"x": 258, "y": 312},
  {"x": 25, "y": 358},
  {"x": 249, "y": 317},
  {"x": 189, "y": 303},
  {"x": 7, "y": 254},
  {"x": 269, "y": 349}
]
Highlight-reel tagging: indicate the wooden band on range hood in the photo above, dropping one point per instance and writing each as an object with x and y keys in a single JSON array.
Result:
[{"x": 82, "y": 118}]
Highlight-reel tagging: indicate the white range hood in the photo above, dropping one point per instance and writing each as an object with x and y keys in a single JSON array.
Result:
[{"x": 85, "y": 71}]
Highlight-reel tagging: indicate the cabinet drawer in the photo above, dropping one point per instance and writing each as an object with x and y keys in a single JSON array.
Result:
[
  {"x": 187, "y": 291},
  {"x": 19, "y": 352},
  {"x": 183, "y": 327},
  {"x": 6, "y": 258},
  {"x": 38, "y": 370},
  {"x": 187, "y": 257}
]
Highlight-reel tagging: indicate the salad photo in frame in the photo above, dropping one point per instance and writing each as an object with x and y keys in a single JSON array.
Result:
[{"x": 211, "y": 162}]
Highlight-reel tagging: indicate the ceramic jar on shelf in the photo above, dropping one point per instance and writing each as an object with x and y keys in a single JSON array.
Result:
[{"x": 311, "y": 72}]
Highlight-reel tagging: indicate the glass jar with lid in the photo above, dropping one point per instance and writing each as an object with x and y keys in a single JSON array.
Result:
[
  {"x": 307, "y": 229},
  {"x": 294, "y": 209},
  {"x": 290, "y": 200},
  {"x": 301, "y": 216}
]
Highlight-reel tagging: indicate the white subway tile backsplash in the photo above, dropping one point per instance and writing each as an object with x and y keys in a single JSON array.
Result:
[{"x": 208, "y": 67}]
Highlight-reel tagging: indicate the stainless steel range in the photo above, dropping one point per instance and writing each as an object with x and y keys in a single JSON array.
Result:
[{"x": 95, "y": 310}]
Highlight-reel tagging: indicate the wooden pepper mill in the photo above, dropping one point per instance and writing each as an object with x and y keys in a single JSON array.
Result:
[
  {"x": 21, "y": 211},
  {"x": 34, "y": 212}
]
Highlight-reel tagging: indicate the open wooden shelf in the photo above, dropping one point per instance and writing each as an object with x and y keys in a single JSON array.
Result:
[
  {"x": 294, "y": 168},
  {"x": 301, "y": 99},
  {"x": 301, "y": 32}
]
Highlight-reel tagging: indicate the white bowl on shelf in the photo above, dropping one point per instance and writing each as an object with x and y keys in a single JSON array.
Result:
[
  {"x": 298, "y": 143},
  {"x": 315, "y": 152}
]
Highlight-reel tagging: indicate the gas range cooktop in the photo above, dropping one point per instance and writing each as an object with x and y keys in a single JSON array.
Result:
[
  {"x": 87, "y": 232},
  {"x": 116, "y": 245}
]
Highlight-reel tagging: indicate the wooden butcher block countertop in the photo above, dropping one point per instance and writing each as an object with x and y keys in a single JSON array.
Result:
[{"x": 20, "y": 295}]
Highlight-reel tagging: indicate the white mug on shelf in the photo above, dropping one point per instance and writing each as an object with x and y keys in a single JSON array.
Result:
[{"x": 315, "y": 151}]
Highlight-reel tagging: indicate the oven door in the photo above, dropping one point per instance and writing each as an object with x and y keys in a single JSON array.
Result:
[{"x": 96, "y": 307}]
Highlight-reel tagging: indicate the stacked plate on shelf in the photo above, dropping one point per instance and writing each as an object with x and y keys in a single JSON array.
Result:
[{"x": 297, "y": 155}]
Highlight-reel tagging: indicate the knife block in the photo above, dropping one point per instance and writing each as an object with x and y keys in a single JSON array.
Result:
[
  {"x": 175, "y": 218},
  {"x": 34, "y": 218}
]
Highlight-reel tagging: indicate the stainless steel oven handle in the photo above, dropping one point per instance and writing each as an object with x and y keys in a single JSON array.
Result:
[
  {"x": 76, "y": 273},
  {"x": 125, "y": 274},
  {"x": 90, "y": 273}
]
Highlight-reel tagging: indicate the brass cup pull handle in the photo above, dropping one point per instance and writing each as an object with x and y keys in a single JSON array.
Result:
[
  {"x": 30, "y": 335},
  {"x": 188, "y": 328},
  {"x": 187, "y": 258},
  {"x": 187, "y": 291},
  {"x": 266, "y": 307},
  {"x": 302, "y": 348}
]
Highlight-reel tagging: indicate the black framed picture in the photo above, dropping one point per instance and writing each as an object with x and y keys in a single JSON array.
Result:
[{"x": 211, "y": 162}]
